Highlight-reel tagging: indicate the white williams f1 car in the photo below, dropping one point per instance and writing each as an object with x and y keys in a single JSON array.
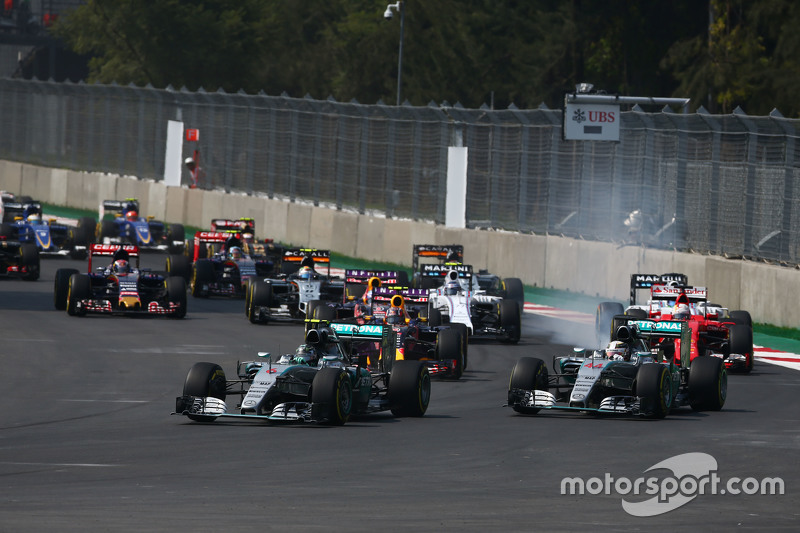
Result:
[{"x": 461, "y": 301}]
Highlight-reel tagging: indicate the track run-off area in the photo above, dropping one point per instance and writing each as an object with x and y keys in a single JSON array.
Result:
[{"x": 87, "y": 441}]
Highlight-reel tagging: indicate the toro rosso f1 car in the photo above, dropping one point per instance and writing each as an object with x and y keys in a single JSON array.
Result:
[
  {"x": 642, "y": 382},
  {"x": 220, "y": 265},
  {"x": 326, "y": 380},
  {"x": 119, "y": 288}
]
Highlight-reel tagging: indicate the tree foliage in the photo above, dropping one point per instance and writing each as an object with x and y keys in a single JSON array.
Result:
[{"x": 721, "y": 53}]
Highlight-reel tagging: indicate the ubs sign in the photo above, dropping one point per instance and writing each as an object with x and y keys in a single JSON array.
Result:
[{"x": 591, "y": 122}]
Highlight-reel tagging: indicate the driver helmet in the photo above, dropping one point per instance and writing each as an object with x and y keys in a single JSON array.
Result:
[
  {"x": 34, "y": 218},
  {"x": 305, "y": 355},
  {"x": 305, "y": 273},
  {"x": 121, "y": 266},
  {"x": 451, "y": 288},
  {"x": 395, "y": 316},
  {"x": 618, "y": 351},
  {"x": 235, "y": 253},
  {"x": 131, "y": 215},
  {"x": 681, "y": 312}
]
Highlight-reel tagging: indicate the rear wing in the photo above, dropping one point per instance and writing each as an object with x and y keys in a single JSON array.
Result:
[
  {"x": 667, "y": 292},
  {"x": 442, "y": 253},
  {"x": 227, "y": 225},
  {"x": 410, "y": 296},
  {"x": 441, "y": 271},
  {"x": 11, "y": 210},
  {"x": 124, "y": 251},
  {"x": 361, "y": 277},
  {"x": 646, "y": 281},
  {"x": 211, "y": 238},
  {"x": 294, "y": 258},
  {"x": 118, "y": 206}
]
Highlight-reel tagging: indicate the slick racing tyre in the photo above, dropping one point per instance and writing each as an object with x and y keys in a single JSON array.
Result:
[
  {"x": 29, "y": 259},
  {"x": 331, "y": 396},
  {"x": 434, "y": 318},
  {"x": 740, "y": 340},
  {"x": 409, "y": 388},
  {"x": 602, "y": 320},
  {"x": 638, "y": 314},
  {"x": 176, "y": 233},
  {"x": 61, "y": 287},
  {"x": 203, "y": 275},
  {"x": 325, "y": 312},
  {"x": 449, "y": 347},
  {"x": 402, "y": 278},
  {"x": 513, "y": 290},
  {"x": 654, "y": 388},
  {"x": 260, "y": 296},
  {"x": 510, "y": 321},
  {"x": 79, "y": 288},
  {"x": 179, "y": 265},
  {"x": 708, "y": 383},
  {"x": 176, "y": 294},
  {"x": 529, "y": 374},
  {"x": 205, "y": 380},
  {"x": 741, "y": 317},
  {"x": 464, "y": 330},
  {"x": 108, "y": 230}
]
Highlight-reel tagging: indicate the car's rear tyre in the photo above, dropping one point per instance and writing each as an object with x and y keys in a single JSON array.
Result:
[
  {"x": 434, "y": 318},
  {"x": 708, "y": 383},
  {"x": 331, "y": 396},
  {"x": 176, "y": 233},
  {"x": 464, "y": 330},
  {"x": 260, "y": 295},
  {"x": 311, "y": 308},
  {"x": 29, "y": 260},
  {"x": 61, "y": 287},
  {"x": 176, "y": 294},
  {"x": 205, "y": 380},
  {"x": 510, "y": 321},
  {"x": 636, "y": 313},
  {"x": 409, "y": 391},
  {"x": 108, "y": 230},
  {"x": 741, "y": 317},
  {"x": 602, "y": 320},
  {"x": 179, "y": 265},
  {"x": 654, "y": 388},
  {"x": 513, "y": 290},
  {"x": 202, "y": 276},
  {"x": 528, "y": 374},
  {"x": 449, "y": 347},
  {"x": 325, "y": 312},
  {"x": 402, "y": 278},
  {"x": 740, "y": 340},
  {"x": 80, "y": 288}
]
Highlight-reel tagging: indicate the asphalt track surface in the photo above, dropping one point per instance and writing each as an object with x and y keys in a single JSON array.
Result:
[{"x": 87, "y": 442}]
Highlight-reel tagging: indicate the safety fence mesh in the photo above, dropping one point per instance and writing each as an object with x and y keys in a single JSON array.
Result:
[{"x": 720, "y": 184}]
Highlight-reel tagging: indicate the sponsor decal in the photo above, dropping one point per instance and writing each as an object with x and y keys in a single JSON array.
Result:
[
  {"x": 662, "y": 326},
  {"x": 689, "y": 475}
]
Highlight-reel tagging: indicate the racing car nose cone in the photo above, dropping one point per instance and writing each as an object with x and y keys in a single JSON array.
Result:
[{"x": 129, "y": 302}]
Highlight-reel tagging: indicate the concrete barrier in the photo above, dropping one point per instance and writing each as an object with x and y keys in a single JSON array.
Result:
[
  {"x": 597, "y": 269},
  {"x": 11, "y": 176}
]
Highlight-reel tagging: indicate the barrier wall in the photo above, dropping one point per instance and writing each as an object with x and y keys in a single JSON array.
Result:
[{"x": 599, "y": 269}]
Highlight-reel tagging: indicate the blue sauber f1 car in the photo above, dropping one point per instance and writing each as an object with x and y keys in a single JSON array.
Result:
[{"x": 129, "y": 228}]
